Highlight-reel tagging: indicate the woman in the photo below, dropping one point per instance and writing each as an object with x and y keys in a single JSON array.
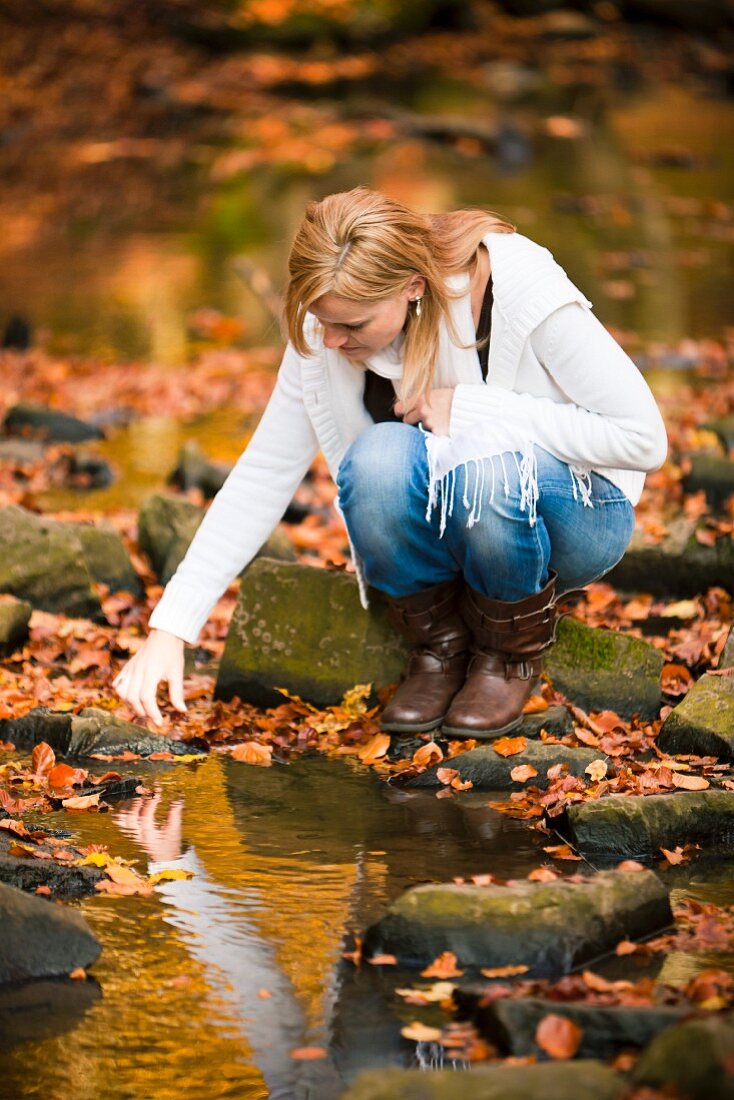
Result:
[{"x": 479, "y": 478}]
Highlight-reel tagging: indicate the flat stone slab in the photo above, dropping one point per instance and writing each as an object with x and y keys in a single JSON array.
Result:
[
  {"x": 556, "y": 720},
  {"x": 677, "y": 566},
  {"x": 606, "y": 670},
  {"x": 511, "y": 1023},
  {"x": 696, "y": 1059},
  {"x": 41, "y": 939},
  {"x": 304, "y": 629},
  {"x": 167, "y": 524},
  {"x": 703, "y": 723},
  {"x": 551, "y": 1081},
  {"x": 550, "y": 927},
  {"x": 27, "y": 873},
  {"x": 638, "y": 826},
  {"x": 489, "y": 770},
  {"x": 91, "y": 731},
  {"x": 712, "y": 473},
  {"x": 48, "y": 424},
  {"x": 14, "y": 618}
]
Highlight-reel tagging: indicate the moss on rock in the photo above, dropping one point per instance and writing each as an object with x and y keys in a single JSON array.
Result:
[
  {"x": 14, "y": 618},
  {"x": 696, "y": 1059},
  {"x": 552, "y": 1081},
  {"x": 602, "y": 669},
  {"x": 106, "y": 557},
  {"x": 703, "y": 723}
]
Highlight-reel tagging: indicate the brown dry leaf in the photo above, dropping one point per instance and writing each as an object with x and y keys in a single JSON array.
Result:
[
  {"x": 420, "y": 1033},
  {"x": 561, "y": 851},
  {"x": 264, "y": 994},
  {"x": 543, "y": 874},
  {"x": 675, "y": 679},
  {"x": 42, "y": 758},
  {"x": 509, "y": 746},
  {"x": 81, "y": 802},
  {"x": 523, "y": 772},
  {"x": 308, "y": 1054},
  {"x": 252, "y": 752},
  {"x": 446, "y": 775},
  {"x": 558, "y": 1036},
  {"x": 12, "y": 826},
  {"x": 62, "y": 775},
  {"x": 375, "y": 748},
  {"x": 383, "y": 960},
  {"x": 428, "y": 754},
  {"x": 536, "y": 704},
  {"x": 690, "y": 782},
  {"x": 629, "y": 865},
  {"x": 45, "y": 890},
  {"x": 79, "y": 974},
  {"x": 459, "y": 784},
  {"x": 443, "y": 967},
  {"x": 503, "y": 971},
  {"x": 596, "y": 982},
  {"x": 674, "y": 857},
  {"x": 596, "y": 770},
  {"x": 626, "y": 947}
]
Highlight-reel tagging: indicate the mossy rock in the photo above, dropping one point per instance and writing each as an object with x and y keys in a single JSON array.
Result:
[
  {"x": 43, "y": 562},
  {"x": 552, "y": 1081},
  {"x": 605, "y": 670},
  {"x": 712, "y": 473},
  {"x": 726, "y": 658},
  {"x": 550, "y": 927},
  {"x": 48, "y": 424},
  {"x": 723, "y": 427},
  {"x": 106, "y": 557},
  {"x": 696, "y": 1059},
  {"x": 511, "y": 1023},
  {"x": 92, "y": 730},
  {"x": 703, "y": 723},
  {"x": 167, "y": 525},
  {"x": 194, "y": 470},
  {"x": 40, "y": 939},
  {"x": 638, "y": 826},
  {"x": 304, "y": 629},
  {"x": 489, "y": 770},
  {"x": 14, "y": 618},
  {"x": 677, "y": 566}
]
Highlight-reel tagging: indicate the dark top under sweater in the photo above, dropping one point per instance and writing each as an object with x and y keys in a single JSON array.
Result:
[{"x": 379, "y": 392}]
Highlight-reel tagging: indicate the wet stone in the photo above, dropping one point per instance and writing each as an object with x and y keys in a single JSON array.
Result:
[
  {"x": 605, "y": 670},
  {"x": 41, "y": 939},
  {"x": 91, "y": 731},
  {"x": 637, "y": 826},
  {"x": 560, "y": 1081},
  {"x": 48, "y": 424},
  {"x": 28, "y": 872},
  {"x": 167, "y": 524},
  {"x": 678, "y": 566},
  {"x": 703, "y": 723},
  {"x": 555, "y": 720},
  {"x": 14, "y": 618},
  {"x": 510, "y": 1023},
  {"x": 43, "y": 561},
  {"x": 712, "y": 473},
  {"x": 696, "y": 1059},
  {"x": 489, "y": 770},
  {"x": 550, "y": 927}
]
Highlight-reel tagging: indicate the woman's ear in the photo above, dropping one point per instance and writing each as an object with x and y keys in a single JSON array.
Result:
[{"x": 416, "y": 287}]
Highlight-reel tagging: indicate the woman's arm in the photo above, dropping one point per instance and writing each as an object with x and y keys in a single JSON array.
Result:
[
  {"x": 240, "y": 519},
  {"x": 611, "y": 418}
]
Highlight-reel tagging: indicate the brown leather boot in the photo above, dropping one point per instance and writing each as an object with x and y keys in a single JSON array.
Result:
[
  {"x": 430, "y": 620},
  {"x": 509, "y": 640}
]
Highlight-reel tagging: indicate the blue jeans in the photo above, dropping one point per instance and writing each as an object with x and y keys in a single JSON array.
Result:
[{"x": 383, "y": 494}]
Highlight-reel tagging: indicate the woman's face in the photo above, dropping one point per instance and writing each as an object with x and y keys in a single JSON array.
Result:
[{"x": 358, "y": 329}]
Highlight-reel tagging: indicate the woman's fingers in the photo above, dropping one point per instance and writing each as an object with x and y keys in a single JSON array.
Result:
[{"x": 175, "y": 691}]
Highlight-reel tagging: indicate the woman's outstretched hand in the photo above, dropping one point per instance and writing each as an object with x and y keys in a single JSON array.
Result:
[
  {"x": 433, "y": 412},
  {"x": 161, "y": 658}
]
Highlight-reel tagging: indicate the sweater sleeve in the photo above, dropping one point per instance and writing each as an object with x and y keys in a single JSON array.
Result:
[
  {"x": 245, "y": 510},
  {"x": 610, "y": 418}
]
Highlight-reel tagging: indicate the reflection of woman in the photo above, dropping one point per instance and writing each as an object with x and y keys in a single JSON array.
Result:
[{"x": 503, "y": 475}]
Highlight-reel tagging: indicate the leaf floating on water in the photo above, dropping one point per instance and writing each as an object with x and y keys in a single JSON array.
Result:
[
  {"x": 509, "y": 746},
  {"x": 383, "y": 960},
  {"x": 503, "y": 971},
  {"x": 443, "y": 967},
  {"x": 169, "y": 874},
  {"x": 308, "y": 1054},
  {"x": 629, "y": 865},
  {"x": 252, "y": 752},
  {"x": 431, "y": 994},
  {"x": 558, "y": 1036},
  {"x": 81, "y": 802}
]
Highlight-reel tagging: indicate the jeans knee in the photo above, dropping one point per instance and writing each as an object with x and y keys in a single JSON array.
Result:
[{"x": 376, "y": 467}]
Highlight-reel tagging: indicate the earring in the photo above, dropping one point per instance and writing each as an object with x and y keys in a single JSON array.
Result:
[{"x": 417, "y": 303}]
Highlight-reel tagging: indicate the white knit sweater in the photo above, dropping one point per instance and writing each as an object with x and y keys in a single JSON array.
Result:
[{"x": 556, "y": 379}]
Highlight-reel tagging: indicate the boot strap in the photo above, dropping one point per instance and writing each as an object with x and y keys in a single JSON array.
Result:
[
  {"x": 432, "y": 660},
  {"x": 494, "y": 663},
  {"x": 412, "y": 620},
  {"x": 515, "y": 623}
]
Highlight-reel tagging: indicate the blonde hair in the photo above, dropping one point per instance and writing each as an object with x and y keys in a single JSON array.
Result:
[{"x": 364, "y": 246}]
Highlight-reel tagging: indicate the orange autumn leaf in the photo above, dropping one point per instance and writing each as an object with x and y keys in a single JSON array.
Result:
[
  {"x": 522, "y": 773},
  {"x": 446, "y": 775},
  {"x": 561, "y": 851},
  {"x": 459, "y": 784},
  {"x": 81, "y": 802},
  {"x": 79, "y": 974},
  {"x": 443, "y": 967},
  {"x": 42, "y": 758},
  {"x": 375, "y": 748},
  {"x": 675, "y": 857},
  {"x": 558, "y": 1036},
  {"x": 509, "y": 746},
  {"x": 626, "y": 947},
  {"x": 503, "y": 971},
  {"x": 690, "y": 782},
  {"x": 308, "y": 1054},
  {"x": 383, "y": 960},
  {"x": 675, "y": 679},
  {"x": 536, "y": 704},
  {"x": 252, "y": 752},
  {"x": 629, "y": 865},
  {"x": 428, "y": 754},
  {"x": 543, "y": 874},
  {"x": 62, "y": 775}
]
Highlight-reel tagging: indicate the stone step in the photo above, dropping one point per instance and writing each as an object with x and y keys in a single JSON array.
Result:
[
  {"x": 703, "y": 723},
  {"x": 552, "y": 1081},
  {"x": 696, "y": 1059},
  {"x": 489, "y": 770},
  {"x": 677, "y": 566},
  {"x": 550, "y": 927}
]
